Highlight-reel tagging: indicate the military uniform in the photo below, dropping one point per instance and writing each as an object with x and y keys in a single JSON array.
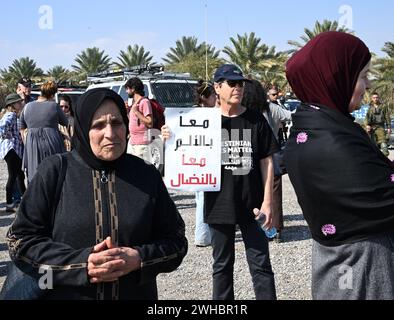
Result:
[{"x": 378, "y": 116}]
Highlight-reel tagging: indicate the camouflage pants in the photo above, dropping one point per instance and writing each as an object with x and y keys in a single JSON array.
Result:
[{"x": 379, "y": 137}]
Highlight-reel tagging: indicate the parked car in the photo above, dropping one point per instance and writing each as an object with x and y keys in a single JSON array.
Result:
[
  {"x": 171, "y": 90},
  {"x": 360, "y": 114},
  {"x": 73, "y": 92},
  {"x": 292, "y": 104}
]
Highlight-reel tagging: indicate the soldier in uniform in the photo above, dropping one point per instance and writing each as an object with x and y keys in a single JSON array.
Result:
[{"x": 376, "y": 121}]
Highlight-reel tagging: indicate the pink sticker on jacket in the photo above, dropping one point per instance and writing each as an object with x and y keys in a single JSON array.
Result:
[
  {"x": 329, "y": 229},
  {"x": 302, "y": 137}
]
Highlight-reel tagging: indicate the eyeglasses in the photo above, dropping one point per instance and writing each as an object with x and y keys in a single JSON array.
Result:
[{"x": 233, "y": 83}]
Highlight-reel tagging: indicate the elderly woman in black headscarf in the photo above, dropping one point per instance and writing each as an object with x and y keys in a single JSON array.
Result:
[
  {"x": 344, "y": 184},
  {"x": 113, "y": 228}
]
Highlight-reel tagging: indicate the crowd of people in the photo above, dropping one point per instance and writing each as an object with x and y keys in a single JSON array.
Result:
[{"x": 121, "y": 229}]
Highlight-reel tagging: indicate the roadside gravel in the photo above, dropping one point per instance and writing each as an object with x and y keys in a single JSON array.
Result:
[
  {"x": 192, "y": 280},
  {"x": 290, "y": 259}
]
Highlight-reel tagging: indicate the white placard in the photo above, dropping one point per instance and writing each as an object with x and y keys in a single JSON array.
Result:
[{"x": 193, "y": 154}]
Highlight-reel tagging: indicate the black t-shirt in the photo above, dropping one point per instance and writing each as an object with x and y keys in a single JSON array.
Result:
[{"x": 246, "y": 139}]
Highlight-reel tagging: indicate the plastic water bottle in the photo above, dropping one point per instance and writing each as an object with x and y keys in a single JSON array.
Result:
[{"x": 270, "y": 233}]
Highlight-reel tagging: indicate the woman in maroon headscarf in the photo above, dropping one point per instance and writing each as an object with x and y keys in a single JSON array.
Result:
[{"x": 344, "y": 184}]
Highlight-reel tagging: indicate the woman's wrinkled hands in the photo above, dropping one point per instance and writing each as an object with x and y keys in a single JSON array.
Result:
[{"x": 108, "y": 263}]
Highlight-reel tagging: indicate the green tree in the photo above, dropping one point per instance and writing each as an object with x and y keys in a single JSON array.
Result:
[
  {"x": 200, "y": 60},
  {"x": 326, "y": 25},
  {"x": 75, "y": 78},
  {"x": 389, "y": 49},
  {"x": 383, "y": 74},
  {"x": 133, "y": 56},
  {"x": 23, "y": 67},
  {"x": 59, "y": 74},
  {"x": 248, "y": 54},
  {"x": 271, "y": 72},
  {"x": 186, "y": 46},
  {"x": 91, "y": 60},
  {"x": 196, "y": 65},
  {"x": 183, "y": 47}
]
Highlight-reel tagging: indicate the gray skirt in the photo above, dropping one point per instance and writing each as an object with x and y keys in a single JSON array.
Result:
[
  {"x": 358, "y": 271},
  {"x": 40, "y": 144}
]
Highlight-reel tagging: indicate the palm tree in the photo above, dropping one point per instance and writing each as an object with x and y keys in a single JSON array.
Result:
[
  {"x": 196, "y": 65},
  {"x": 74, "y": 78},
  {"x": 23, "y": 67},
  {"x": 249, "y": 54},
  {"x": 200, "y": 60},
  {"x": 327, "y": 25},
  {"x": 91, "y": 60},
  {"x": 183, "y": 48},
  {"x": 389, "y": 49},
  {"x": 133, "y": 56},
  {"x": 208, "y": 50},
  {"x": 246, "y": 53},
  {"x": 383, "y": 72},
  {"x": 271, "y": 72},
  {"x": 59, "y": 74}
]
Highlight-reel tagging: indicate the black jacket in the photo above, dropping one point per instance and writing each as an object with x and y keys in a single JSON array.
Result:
[
  {"x": 133, "y": 207},
  {"x": 344, "y": 184}
]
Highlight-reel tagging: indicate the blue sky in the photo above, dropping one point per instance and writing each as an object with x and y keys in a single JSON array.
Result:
[{"x": 112, "y": 25}]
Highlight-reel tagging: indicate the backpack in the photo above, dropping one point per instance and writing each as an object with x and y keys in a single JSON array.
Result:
[{"x": 157, "y": 114}]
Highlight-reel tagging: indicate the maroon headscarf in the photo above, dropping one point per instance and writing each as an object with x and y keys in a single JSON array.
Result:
[{"x": 325, "y": 71}]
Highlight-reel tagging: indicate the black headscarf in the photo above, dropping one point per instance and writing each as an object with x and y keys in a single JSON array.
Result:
[{"x": 87, "y": 105}]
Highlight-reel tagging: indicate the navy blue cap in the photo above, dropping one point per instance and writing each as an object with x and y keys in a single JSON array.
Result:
[
  {"x": 25, "y": 82},
  {"x": 228, "y": 72}
]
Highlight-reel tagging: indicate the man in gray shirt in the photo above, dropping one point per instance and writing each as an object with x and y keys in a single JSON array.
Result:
[{"x": 278, "y": 115}]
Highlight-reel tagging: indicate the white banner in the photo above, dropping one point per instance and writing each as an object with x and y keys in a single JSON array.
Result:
[{"x": 193, "y": 154}]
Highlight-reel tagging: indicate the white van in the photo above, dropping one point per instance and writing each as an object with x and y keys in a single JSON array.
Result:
[
  {"x": 171, "y": 90},
  {"x": 73, "y": 93}
]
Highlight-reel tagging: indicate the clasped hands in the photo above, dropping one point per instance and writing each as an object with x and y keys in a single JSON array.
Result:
[{"x": 107, "y": 263}]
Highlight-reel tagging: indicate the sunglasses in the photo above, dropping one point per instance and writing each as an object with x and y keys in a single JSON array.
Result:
[
  {"x": 274, "y": 94},
  {"x": 233, "y": 83}
]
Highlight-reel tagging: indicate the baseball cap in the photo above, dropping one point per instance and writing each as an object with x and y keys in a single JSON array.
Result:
[
  {"x": 25, "y": 81},
  {"x": 229, "y": 72}
]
